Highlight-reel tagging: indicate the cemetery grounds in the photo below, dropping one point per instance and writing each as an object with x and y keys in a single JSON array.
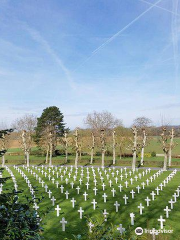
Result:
[{"x": 37, "y": 177}]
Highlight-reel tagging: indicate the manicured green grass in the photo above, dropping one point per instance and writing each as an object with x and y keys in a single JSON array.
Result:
[
  {"x": 154, "y": 144},
  {"x": 52, "y": 227}
]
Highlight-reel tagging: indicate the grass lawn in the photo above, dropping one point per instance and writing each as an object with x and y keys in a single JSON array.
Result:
[{"x": 53, "y": 228}]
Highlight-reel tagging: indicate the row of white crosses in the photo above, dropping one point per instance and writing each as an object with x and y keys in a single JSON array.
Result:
[
  {"x": 104, "y": 196},
  {"x": 175, "y": 195},
  {"x": 63, "y": 221},
  {"x": 13, "y": 179},
  {"x": 141, "y": 207},
  {"x": 32, "y": 191},
  {"x": 80, "y": 210},
  {"x": 85, "y": 194},
  {"x": 87, "y": 184}
]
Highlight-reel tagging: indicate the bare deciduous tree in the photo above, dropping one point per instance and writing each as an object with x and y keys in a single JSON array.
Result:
[
  {"x": 143, "y": 145},
  {"x": 142, "y": 122},
  {"x": 102, "y": 120},
  {"x": 165, "y": 146},
  {"x": 92, "y": 147},
  {"x": 172, "y": 144},
  {"x": 65, "y": 142},
  {"x": 103, "y": 149},
  {"x": 114, "y": 146},
  {"x": 25, "y": 127},
  {"x": 134, "y": 148},
  {"x": 26, "y": 145}
]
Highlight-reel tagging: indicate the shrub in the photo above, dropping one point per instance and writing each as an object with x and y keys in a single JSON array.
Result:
[
  {"x": 109, "y": 153},
  {"x": 17, "y": 220},
  {"x": 153, "y": 154},
  {"x": 60, "y": 152},
  {"x": 98, "y": 154},
  {"x": 38, "y": 152}
]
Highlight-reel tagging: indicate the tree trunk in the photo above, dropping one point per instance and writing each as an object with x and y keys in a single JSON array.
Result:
[
  {"x": 76, "y": 160},
  {"x": 27, "y": 157},
  {"x": 134, "y": 148},
  {"x": 142, "y": 156},
  {"x": 102, "y": 159},
  {"x": 114, "y": 148},
  {"x": 92, "y": 155},
  {"x": 114, "y": 156},
  {"x": 50, "y": 158},
  {"x": 3, "y": 161},
  {"x": 134, "y": 161},
  {"x": 165, "y": 162},
  {"x": 47, "y": 155},
  {"x": 170, "y": 156},
  {"x": 66, "y": 155}
]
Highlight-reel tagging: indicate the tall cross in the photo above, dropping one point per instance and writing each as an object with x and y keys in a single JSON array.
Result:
[
  {"x": 161, "y": 220},
  {"x": 121, "y": 229},
  {"x": 80, "y": 212},
  {"x": 104, "y": 196},
  {"x": 58, "y": 210},
  {"x": 64, "y": 222},
  {"x": 147, "y": 201},
  {"x": 117, "y": 206},
  {"x": 140, "y": 208},
  {"x": 167, "y": 210},
  {"x": 94, "y": 204}
]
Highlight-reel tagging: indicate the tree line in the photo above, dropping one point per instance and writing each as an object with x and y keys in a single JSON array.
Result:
[{"x": 103, "y": 130}]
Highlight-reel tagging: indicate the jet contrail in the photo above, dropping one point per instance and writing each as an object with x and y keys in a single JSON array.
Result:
[
  {"x": 118, "y": 33},
  {"x": 175, "y": 13},
  {"x": 39, "y": 39}
]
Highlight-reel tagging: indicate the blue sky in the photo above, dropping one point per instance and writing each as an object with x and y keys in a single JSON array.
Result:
[{"x": 82, "y": 55}]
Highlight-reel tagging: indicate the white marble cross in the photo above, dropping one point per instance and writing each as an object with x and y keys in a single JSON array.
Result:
[
  {"x": 53, "y": 200},
  {"x": 171, "y": 202},
  {"x": 104, "y": 196},
  {"x": 152, "y": 194},
  {"x": 80, "y": 212},
  {"x": 73, "y": 202},
  {"x": 64, "y": 222},
  {"x": 94, "y": 204},
  {"x": 161, "y": 220},
  {"x": 175, "y": 197},
  {"x": 126, "y": 183},
  {"x": 103, "y": 186},
  {"x": 62, "y": 188},
  {"x": 132, "y": 192},
  {"x": 167, "y": 210},
  {"x": 49, "y": 192},
  {"x": 95, "y": 190},
  {"x": 85, "y": 196},
  {"x": 157, "y": 190},
  {"x": 58, "y": 210},
  {"x": 125, "y": 199},
  {"x": 72, "y": 185},
  {"x": 66, "y": 193},
  {"x": 78, "y": 188},
  {"x": 140, "y": 208},
  {"x": 113, "y": 192},
  {"x": 87, "y": 185},
  {"x": 138, "y": 188},
  {"x": 46, "y": 187},
  {"x": 121, "y": 229},
  {"x": 132, "y": 216},
  {"x": 117, "y": 205},
  {"x": 91, "y": 225},
  {"x": 120, "y": 187},
  {"x": 147, "y": 201}
]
